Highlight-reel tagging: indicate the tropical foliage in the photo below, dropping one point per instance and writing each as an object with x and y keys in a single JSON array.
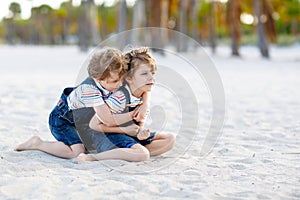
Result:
[{"x": 207, "y": 21}]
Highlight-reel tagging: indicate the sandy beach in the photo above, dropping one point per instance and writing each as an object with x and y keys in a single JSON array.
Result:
[{"x": 256, "y": 156}]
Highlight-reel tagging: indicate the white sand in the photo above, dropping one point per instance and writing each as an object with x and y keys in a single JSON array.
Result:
[{"x": 256, "y": 157}]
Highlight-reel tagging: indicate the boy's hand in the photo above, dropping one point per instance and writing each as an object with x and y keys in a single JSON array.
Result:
[
  {"x": 131, "y": 130},
  {"x": 143, "y": 134},
  {"x": 140, "y": 113}
]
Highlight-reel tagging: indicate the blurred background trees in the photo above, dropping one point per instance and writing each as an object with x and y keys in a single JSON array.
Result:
[{"x": 210, "y": 22}]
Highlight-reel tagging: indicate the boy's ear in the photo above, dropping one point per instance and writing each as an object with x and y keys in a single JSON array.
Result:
[
  {"x": 101, "y": 81},
  {"x": 128, "y": 79}
]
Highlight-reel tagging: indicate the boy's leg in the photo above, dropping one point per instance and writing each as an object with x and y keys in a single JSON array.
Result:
[
  {"x": 161, "y": 143},
  {"x": 54, "y": 148},
  {"x": 135, "y": 153}
]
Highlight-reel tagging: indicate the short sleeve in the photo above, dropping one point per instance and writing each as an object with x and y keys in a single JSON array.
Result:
[
  {"x": 116, "y": 102},
  {"x": 85, "y": 95}
]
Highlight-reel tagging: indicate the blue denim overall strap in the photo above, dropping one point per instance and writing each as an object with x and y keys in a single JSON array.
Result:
[
  {"x": 127, "y": 97},
  {"x": 63, "y": 108},
  {"x": 127, "y": 108}
]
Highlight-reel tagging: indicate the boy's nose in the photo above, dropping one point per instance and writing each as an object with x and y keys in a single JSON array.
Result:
[{"x": 151, "y": 77}]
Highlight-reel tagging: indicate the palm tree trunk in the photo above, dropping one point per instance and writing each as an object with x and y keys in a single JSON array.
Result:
[
  {"x": 122, "y": 22},
  {"x": 262, "y": 42},
  {"x": 103, "y": 15},
  {"x": 164, "y": 20},
  {"x": 182, "y": 46},
  {"x": 10, "y": 31},
  {"x": 93, "y": 19},
  {"x": 83, "y": 27},
  {"x": 269, "y": 24},
  {"x": 139, "y": 10},
  {"x": 155, "y": 21},
  {"x": 195, "y": 20},
  {"x": 213, "y": 38},
  {"x": 122, "y": 16},
  {"x": 138, "y": 19},
  {"x": 233, "y": 21}
]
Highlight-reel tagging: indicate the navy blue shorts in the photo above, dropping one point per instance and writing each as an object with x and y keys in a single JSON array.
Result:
[
  {"x": 62, "y": 126},
  {"x": 108, "y": 141}
]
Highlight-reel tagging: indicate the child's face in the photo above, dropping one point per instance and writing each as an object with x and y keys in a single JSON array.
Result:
[
  {"x": 142, "y": 79},
  {"x": 112, "y": 83}
]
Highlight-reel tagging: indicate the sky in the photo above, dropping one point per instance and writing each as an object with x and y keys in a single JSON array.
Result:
[{"x": 26, "y": 5}]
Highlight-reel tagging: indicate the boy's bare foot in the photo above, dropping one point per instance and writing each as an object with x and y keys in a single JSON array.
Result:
[
  {"x": 85, "y": 157},
  {"x": 30, "y": 144},
  {"x": 81, "y": 158}
]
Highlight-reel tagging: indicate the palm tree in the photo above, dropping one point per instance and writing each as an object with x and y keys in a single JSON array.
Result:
[
  {"x": 234, "y": 11},
  {"x": 138, "y": 19},
  {"x": 213, "y": 37},
  {"x": 122, "y": 24},
  {"x": 182, "y": 46},
  {"x": 265, "y": 25},
  {"x": 122, "y": 16},
  {"x": 155, "y": 20},
  {"x": 15, "y": 9},
  {"x": 269, "y": 24},
  {"x": 93, "y": 20},
  {"x": 68, "y": 19},
  {"x": 61, "y": 15},
  {"x": 195, "y": 20},
  {"x": 164, "y": 20},
  {"x": 42, "y": 24},
  {"x": 83, "y": 27},
  {"x": 262, "y": 42}
]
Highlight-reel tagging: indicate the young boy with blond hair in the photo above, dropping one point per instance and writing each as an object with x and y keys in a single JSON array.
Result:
[{"x": 71, "y": 116}]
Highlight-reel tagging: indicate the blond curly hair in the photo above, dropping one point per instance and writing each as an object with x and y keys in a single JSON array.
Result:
[
  {"x": 105, "y": 61},
  {"x": 137, "y": 56}
]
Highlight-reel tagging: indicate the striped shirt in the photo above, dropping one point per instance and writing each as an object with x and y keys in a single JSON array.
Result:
[
  {"x": 117, "y": 101},
  {"x": 87, "y": 95}
]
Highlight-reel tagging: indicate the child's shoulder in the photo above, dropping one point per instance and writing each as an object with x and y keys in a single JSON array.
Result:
[
  {"x": 120, "y": 95},
  {"x": 87, "y": 88},
  {"x": 116, "y": 102}
]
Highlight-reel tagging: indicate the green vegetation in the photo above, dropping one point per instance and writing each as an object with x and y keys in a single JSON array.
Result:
[{"x": 62, "y": 26}]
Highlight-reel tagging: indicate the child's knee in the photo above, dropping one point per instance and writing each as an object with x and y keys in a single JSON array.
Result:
[
  {"x": 76, "y": 150},
  {"x": 171, "y": 138},
  {"x": 141, "y": 153}
]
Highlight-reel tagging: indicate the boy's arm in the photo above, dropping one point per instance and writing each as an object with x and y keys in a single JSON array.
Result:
[
  {"x": 110, "y": 119},
  {"x": 141, "y": 113},
  {"x": 97, "y": 125}
]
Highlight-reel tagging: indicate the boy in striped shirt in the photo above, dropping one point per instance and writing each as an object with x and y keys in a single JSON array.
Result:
[{"x": 111, "y": 142}]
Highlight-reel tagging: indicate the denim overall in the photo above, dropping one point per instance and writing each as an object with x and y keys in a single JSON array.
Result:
[{"x": 72, "y": 126}]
